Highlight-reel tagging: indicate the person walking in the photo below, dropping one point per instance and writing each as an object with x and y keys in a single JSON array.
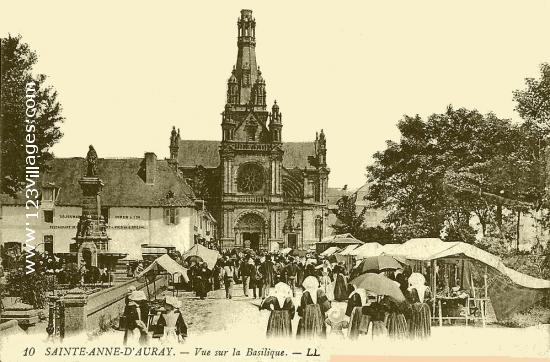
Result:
[
  {"x": 300, "y": 273},
  {"x": 291, "y": 272},
  {"x": 133, "y": 318},
  {"x": 282, "y": 311},
  {"x": 396, "y": 322},
  {"x": 246, "y": 275},
  {"x": 358, "y": 320},
  {"x": 257, "y": 279},
  {"x": 325, "y": 276},
  {"x": 216, "y": 272},
  {"x": 313, "y": 306},
  {"x": 171, "y": 325},
  {"x": 340, "y": 284},
  {"x": 202, "y": 280},
  {"x": 268, "y": 275},
  {"x": 228, "y": 278}
]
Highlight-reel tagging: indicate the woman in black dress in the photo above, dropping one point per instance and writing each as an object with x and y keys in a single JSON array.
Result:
[
  {"x": 419, "y": 294},
  {"x": 359, "y": 320},
  {"x": 396, "y": 322},
  {"x": 133, "y": 318},
  {"x": 376, "y": 312},
  {"x": 202, "y": 280},
  {"x": 282, "y": 311},
  {"x": 340, "y": 285},
  {"x": 313, "y": 306}
]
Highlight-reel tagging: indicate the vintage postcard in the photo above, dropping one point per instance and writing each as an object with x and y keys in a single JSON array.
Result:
[{"x": 274, "y": 181}]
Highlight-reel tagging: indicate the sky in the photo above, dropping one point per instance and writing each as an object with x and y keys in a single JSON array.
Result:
[{"x": 126, "y": 71}]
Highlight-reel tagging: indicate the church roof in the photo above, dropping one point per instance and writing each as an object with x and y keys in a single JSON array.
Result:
[
  {"x": 334, "y": 194},
  {"x": 206, "y": 153},
  {"x": 124, "y": 181}
]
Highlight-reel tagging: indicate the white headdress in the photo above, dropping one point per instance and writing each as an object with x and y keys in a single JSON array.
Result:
[{"x": 418, "y": 281}]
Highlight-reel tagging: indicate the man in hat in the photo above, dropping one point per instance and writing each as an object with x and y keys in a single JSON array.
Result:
[
  {"x": 291, "y": 272},
  {"x": 246, "y": 270},
  {"x": 228, "y": 278},
  {"x": 267, "y": 270}
]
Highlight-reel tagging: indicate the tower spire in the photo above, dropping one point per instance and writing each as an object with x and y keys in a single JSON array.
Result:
[{"x": 246, "y": 69}]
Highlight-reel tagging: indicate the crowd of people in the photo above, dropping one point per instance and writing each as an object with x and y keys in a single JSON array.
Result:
[
  {"x": 359, "y": 311},
  {"x": 329, "y": 303}
]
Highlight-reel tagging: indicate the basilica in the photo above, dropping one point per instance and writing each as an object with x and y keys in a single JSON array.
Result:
[{"x": 265, "y": 193}]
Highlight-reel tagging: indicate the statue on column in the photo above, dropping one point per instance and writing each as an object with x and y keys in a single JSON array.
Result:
[
  {"x": 91, "y": 161},
  {"x": 84, "y": 226}
]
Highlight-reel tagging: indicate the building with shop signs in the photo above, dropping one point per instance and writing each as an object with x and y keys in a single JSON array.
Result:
[{"x": 147, "y": 207}]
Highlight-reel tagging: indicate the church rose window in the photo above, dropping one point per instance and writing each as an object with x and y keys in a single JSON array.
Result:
[{"x": 251, "y": 178}]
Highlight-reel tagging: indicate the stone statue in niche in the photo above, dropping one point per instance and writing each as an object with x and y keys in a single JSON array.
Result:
[
  {"x": 91, "y": 162},
  {"x": 84, "y": 226}
]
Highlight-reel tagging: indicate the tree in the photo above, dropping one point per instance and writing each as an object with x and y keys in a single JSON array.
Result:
[
  {"x": 409, "y": 178},
  {"x": 348, "y": 219},
  {"x": 533, "y": 105},
  {"x": 17, "y": 61},
  {"x": 376, "y": 234},
  {"x": 199, "y": 183}
]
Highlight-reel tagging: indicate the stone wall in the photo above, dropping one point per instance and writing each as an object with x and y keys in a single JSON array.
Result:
[
  {"x": 9, "y": 328},
  {"x": 107, "y": 305}
]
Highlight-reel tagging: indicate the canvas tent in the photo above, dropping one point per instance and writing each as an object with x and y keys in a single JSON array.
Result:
[
  {"x": 168, "y": 264},
  {"x": 509, "y": 290},
  {"x": 340, "y": 241},
  {"x": 367, "y": 249},
  {"x": 330, "y": 251},
  {"x": 345, "y": 257},
  {"x": 348, "y": 249},
  {"x": 209, "y": 256}
]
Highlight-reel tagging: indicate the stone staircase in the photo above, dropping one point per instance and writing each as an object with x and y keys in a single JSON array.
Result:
[{"x": 120, "y": 273}]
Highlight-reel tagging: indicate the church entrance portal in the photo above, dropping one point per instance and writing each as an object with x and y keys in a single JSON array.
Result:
[
  {"x": 252, "y": 241},
  {"x": 250, "y": 229}
]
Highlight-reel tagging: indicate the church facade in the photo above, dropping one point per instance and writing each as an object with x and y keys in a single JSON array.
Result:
[{"x": 266, "y": 194}]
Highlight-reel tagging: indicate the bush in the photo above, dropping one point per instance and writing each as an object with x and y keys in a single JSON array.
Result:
[
  {"x": 18, "y": 285},
  {"x": 105, "y": 323},
  {"x": 535, "y": 315}
]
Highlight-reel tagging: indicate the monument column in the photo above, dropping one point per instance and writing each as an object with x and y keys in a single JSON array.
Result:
[{"x": 91, "y": 234}]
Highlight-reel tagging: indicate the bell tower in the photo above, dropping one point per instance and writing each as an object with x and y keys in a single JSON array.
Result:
[{"x": 250, "y": 151}]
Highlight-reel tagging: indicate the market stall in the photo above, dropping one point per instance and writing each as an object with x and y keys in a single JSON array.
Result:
[
  {"x": 341, "y": 241},
  {"x": 367, "y": 249},
  {"x": 467, "y": 281},
  {"x": 209, "y": 256},
  {"x": 330, "y": 251},
  {"x": 178, "y": 273},
  {"x": 345, "y": 257}
]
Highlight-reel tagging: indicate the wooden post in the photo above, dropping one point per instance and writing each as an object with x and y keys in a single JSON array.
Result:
[
  {"x": 155, "y": 286},
  {"x": 474, "y": 296},
  {"x": 485, "y": 282},
  {"x": 434, "y": 284},
  {"x": 147, "y": 286},
  {"x": 517, "y": 229},
  {"x": 440, "y": 314},
  {"x": 484, "y": 309}
]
